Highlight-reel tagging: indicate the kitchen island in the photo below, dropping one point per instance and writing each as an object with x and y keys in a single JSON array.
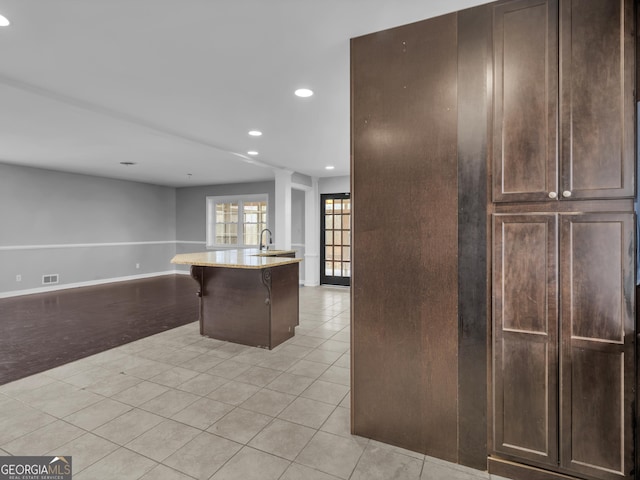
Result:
[{"x": 246, "y": 296}]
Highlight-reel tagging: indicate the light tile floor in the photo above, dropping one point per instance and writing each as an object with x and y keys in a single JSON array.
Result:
[{"x": 180, "y": 406}]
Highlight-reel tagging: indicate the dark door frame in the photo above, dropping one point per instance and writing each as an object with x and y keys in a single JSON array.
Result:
[{"x": 329, "y": 279}]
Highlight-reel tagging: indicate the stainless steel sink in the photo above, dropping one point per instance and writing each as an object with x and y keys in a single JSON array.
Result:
[{"x": 271, "y": 253}]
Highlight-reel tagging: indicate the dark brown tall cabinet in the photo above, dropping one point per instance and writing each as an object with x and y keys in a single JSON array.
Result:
[{"x": 563, "y": 236}]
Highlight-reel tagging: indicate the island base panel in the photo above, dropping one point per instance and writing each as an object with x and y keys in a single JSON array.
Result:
[
  {"x": 255, "y": 307},
  {"x": 285, "y": 302}
]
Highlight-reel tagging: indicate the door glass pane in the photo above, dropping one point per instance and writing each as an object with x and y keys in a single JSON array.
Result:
[
  {"x": 329, "y": 237},
  {"x": 337, "y": 237},
  {"x": 345, "y": 222},
  {"x": 346, "y": 253},
  {"x": 338, "y": 253},
  {"x": 328, "y": 205},
  {"x": 328, "y": 268},
  {"x": 329, "y": 253},
  {"x": 328, "y": 222},
  {"x": 346, "y": 269},
  {"x": 346, "y": 206},
  {"x": 337, "y": 206},
  {"x": 346, "y": 237}
]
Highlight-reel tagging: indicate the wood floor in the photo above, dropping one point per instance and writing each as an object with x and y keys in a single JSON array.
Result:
[{"x": 41, "y": 331}]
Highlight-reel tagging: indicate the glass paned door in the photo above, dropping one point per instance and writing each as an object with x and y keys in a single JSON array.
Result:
[{"x": 335, "y": 252}]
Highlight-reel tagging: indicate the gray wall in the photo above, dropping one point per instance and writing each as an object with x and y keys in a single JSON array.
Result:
[
  {"x": 52, "y": 221},
  {"x": 301, "y": 179},
  {"x": 297, "y": 227},
  {"x": 55, "y": 222},
  {"x": 297, "y": 216},
  {"x": 334, "y": 185}
]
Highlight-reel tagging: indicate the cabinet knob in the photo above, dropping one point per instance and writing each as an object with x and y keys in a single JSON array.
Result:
[
  {"x": 553, "y": 194},
  {"x": 566, "y": 193}
]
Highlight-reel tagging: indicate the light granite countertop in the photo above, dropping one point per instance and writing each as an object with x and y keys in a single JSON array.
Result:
[{"x": 249, "y": 258}]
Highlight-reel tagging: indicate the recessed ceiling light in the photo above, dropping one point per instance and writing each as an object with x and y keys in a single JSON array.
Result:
[
  {"x": 329, "y": 167},
  {"x": 127, "y": 164},
  {"x": 255, "y": 133},
  {"x": 4, "y": 21},
  {"x": 303, "y": 92},
  {"x": 252, "y": 152}
]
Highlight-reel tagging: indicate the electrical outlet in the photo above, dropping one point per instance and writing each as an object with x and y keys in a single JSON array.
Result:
[
  {"x": 137, "y": 265},
  {"x": 18, "y": 278}
]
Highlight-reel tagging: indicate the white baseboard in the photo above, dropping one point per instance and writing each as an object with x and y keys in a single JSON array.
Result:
[{"x": 51, "y": 288}]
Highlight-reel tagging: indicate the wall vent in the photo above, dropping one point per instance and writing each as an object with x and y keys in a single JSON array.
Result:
[{"x": 50, "y": 279}]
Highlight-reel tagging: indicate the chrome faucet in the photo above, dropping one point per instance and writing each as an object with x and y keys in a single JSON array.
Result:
[{"x": 266, "y": 245}]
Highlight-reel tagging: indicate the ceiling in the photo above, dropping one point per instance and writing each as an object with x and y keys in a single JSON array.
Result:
[{"x": 175, "y": 85}]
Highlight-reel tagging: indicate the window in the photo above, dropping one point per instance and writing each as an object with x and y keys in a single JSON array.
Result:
[{"x": 236, "y": 221}]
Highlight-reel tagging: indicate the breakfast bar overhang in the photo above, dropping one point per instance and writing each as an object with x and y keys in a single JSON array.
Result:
[{"x": 246, "y": 296}]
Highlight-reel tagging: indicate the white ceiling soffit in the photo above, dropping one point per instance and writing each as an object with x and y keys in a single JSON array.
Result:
[{"x": 175, "y": 85}]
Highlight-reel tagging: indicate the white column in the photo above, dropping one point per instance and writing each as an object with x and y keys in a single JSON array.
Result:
[
  {"x": 283, "y": 210},
  {"x": 312, "y": 235}
]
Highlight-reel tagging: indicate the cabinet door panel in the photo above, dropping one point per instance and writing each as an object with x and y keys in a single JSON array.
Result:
[
  {"x": 524, "y": 311},
  {"x": 597, "y": 98},
  {"x": 525, "y": 394},
  {"x": 597, "y": 343},
  {"x": 597, "y": 432},
  {"x": 596, "y": 292},
  {"x": 525, "y": 100},
  {"x": 525, "y": 336}
]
